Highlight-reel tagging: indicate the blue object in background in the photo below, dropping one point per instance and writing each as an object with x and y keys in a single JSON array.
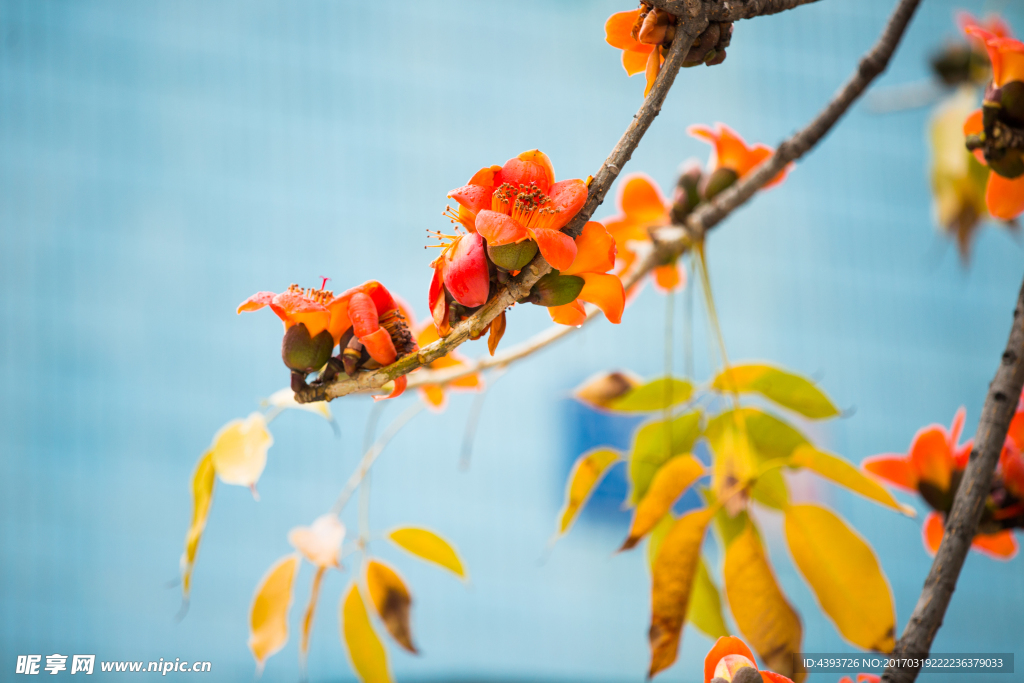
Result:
[{"x": 161, "y": 161}]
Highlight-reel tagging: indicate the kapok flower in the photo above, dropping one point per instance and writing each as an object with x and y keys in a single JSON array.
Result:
[
  {"x": 461, "y": 274},
  {"x": 587, "y": 279},
  {"x": 731, "y": 159},
  {"x": 967, "y": 62},
  {"x": 731, "y": 661},
  {"x": 933, "y": 468},
  {"x": 521, "y": 202},
  {"x": 989, "y": 129},
  {"x": 641, "y": 207},
  {"x": 435, "y": 395},
  {"x": 622, "y": 31},
  {"x": 362, "y": 319}
]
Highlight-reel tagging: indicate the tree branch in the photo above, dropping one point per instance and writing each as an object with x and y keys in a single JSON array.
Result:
[
  {"x": 968, "y": 505},
  {"x": 670, "y": 243},
  {"x": 731, "y": 10},
  {"x": 520, "y": 286}
]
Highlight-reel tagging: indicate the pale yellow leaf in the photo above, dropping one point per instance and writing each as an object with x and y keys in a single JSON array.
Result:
[
  {"x": 240, "y": 450},
  {"x": 763, "y": 615},
  {"x": 369, "y": 660},
  {"x": 733, "y": 464},
  {"x": 785, "y": 388},
  {"x": 843, "y": 473},
  {"x": 202, "y": 496},
  {"x": 705, "y": 610},
  {"x": 668, "y": 484},
  {"x": 657, "y": 394},
  {"x": 268, "y": 616},
  {"x": 771, "y": 489},
  {"x": 320, "y": 542},
  {"x": 654, "y": 444},
  {"x": 392, "y": 601},
  {"x": 586, "y": 474},
  {"x": 427, "y": 545},
  {"x": 285, "y": 399},
  {"x": 657, "y": 536},
  {"x": 844, "y": 574},
  {"x": 671, "y": 583}
]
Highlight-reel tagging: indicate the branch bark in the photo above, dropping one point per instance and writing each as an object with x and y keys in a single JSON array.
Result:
[
  {"x": 731, "y": 10},
  {"x": 968, "y": 505}
]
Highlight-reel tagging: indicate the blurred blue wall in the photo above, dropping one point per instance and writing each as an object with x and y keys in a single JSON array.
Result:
[{"x": 161, "y": 161}]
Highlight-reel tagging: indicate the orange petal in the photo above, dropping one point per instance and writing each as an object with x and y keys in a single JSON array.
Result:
[
  {"x": 380, "y": 347},
  {"x": 1010, "y": 63},
  {"x": 570, "y": 314},
  {"x": 256, "y": 301},
  {"x": 604, "y": 291},
  {"x": 529, "y": 167},
  {"x": 595, "y": 251},
  {"x": 895, "y": 469},
  {"x": 471, "y": 382},
  {"x": 295, "y": 308},
  {"x": 499, "y": 229},
  {"x": 652, "y": 69},
  {"x": 1005, "y": 196},
  {"x": 1016, "y": 430},
  {"x": 339, "y": 322},
  {"x": 932, "y": 532},
  {"x": 568, "y": 196},
  {"x": 400, "y": 384},
  {"x": 363, "y": 314},
  {"x": 618, "y": 31},
  {"x": 557, "y": 248},
  {"x": 931, "y": 456},
  {"x": 625, "y": 229},
  {"x": 772, "y": 677},
  {"x": 730, "y": 151},
  {"x": 488, "y": 177},
  {"x": 725, "y": 645},
  {"x": 426, "y": 335},
  {"x": 868, "y": 678},
  {"x": 641, "y": 200},
  {"x": 434, "y": 396},
  {"x": 437, "y": 301},
  {"x": 635, "y": 61},
  {"x": 956, "y": 428},
  {"x": 473, "y": 197},
  {"x": 999, "y": 546},
  {"x": 668, "y": 278},
  {"x": 973, "y": 125}
]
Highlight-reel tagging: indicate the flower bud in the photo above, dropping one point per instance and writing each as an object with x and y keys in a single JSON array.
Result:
[
  {"x": 513, "y": 256},
  {"x": 721, "y": 179},
  {"x": 302, "y": 353},
  {"x": 686, "y": 195},
  {"x": 556, "y": 290},
  {"x": 953, "y": 64},
  {"x": 466, "y": 274},
  {"x": 1011, "y": 99}
]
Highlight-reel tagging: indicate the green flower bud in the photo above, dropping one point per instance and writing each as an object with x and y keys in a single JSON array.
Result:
[
  {"x": 513, "y": 256},
  {"x": 1011, "y": 98},
  {"x": 556, "y": 290},
  {"x": 302, "y": 353},
  {"x": 720, "y": 180},
  {"x": 1010, "y": 165}
]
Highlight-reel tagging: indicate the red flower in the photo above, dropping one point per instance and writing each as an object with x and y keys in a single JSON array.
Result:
[
  {"x": 728, "y": 656},
  {"x": 732, "y": 154},
  {"x": 595, "y": 256},
  {"x": 461, "y": 272},
  {"x": 639, "y": 52}
]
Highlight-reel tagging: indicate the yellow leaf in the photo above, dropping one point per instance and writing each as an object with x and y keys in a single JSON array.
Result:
[
  {"x": 658, "y": 394},
  {"x": 285, "y": 399},
  {"x": 268, "y": 616},
  {"x": 733, "y": 464},
  {"x": 307, "y": 619},
  {"x": 654, "y": 444},
  {"x": 657, "y": 536},
  {"x": 705, "y": 610},
  {"x": 762, "y": 613},
  {"x": 845, "y": 575},
  {"x": 392, "y": 601},
  {"x": 202, "y": 496},
  {"x": 780, "y": 386},
  {"x": 843, "y": 473},
  {"x": 240, "y": 450},
  {"x": 586, "y": 474},
  {"x": 427, "y": 545},
  {"x": 369, "y": 660},
  {"x": 668, "y": 484},
  {"x": 671, "y": 583},
  {"x": 771, "y": 490},
  {"x": 320, "y": 542}
]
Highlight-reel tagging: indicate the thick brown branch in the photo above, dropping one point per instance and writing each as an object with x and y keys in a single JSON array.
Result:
[
  {"x": 520, "y": 286},
  {"x": 969, "y": 503},
  {"x": 731, "y": 10}
]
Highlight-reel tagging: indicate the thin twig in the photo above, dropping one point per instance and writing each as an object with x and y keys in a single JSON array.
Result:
[
  {"x": 968, "y": 504},
  {"x": 520, "y": 286}
]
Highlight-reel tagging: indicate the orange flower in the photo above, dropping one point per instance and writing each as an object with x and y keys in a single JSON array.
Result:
[
  {"x": 641, "y": 206},
  {"x": 999, "y": 546},
  {"x": 1004, "y": 194},
  {"x": 728, "y": 656},
  {"x": 595, "y": 256},
  {"x": 862, "y": 678},
  {"x": 521, "y": 201},
  {"x": 993, "y": 24},
  {"x": 933, "y": 460},
  {"x": 732, "y": 154},
  {"x": 636, "y": 56},
  {"x": 434, "y": 394}
]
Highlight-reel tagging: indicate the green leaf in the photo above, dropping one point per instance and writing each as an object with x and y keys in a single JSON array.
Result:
[
  {"x": 654, "y": 444},
  {"x": 770, "y": 437},
  {"x": 771, "y": 490},
  {"x": 839, "y": 471},
  {"x": 705, "y": 609},
  {"x": 657, "y": 394},
  {"x": 785, "y": 388}
]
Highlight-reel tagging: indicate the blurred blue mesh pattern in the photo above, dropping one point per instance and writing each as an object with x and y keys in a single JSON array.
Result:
[{"x": 161, "y": 161}]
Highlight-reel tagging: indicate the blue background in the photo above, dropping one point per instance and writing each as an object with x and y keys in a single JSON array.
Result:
[{"x": 161, "y": 161}]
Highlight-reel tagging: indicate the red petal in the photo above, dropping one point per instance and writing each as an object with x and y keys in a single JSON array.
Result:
[
  {"x": 400, "y": 384},
  {"x": 557, "y": 248},
  {"x": 363, "y": 313},
  {"x": 595, "y": 251},
  {"x": 957, "y": 427},
  {"x": 499, "y": 229},
  {"x": 568, "y": 196},
  {"x": 618, "y": 31},
  {"x": 256, "y": 301},
  {"x": 999, "y": 546},
  {"x": 1004, "y": 196},
  {"x": 473, "y": 197},
  {"x": 438, "y": 303},
  {"x": 295, "y": 308},
  {"x": 772, "y": 677},
  {"x": 465, "y": 274},
  {"x": 488, "y": 177},
  {"x": 725, "y": 645},
  {"x": 572, "y": 313},
  {"x": 529, "y": 167},
  {"x": 895, "y": 469},
  {"x": 380, "y": 347},
  {"x": 932, "y": 532},
  {"x": 604, "y": 291},
  {"x": 931, "y": 456}
]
